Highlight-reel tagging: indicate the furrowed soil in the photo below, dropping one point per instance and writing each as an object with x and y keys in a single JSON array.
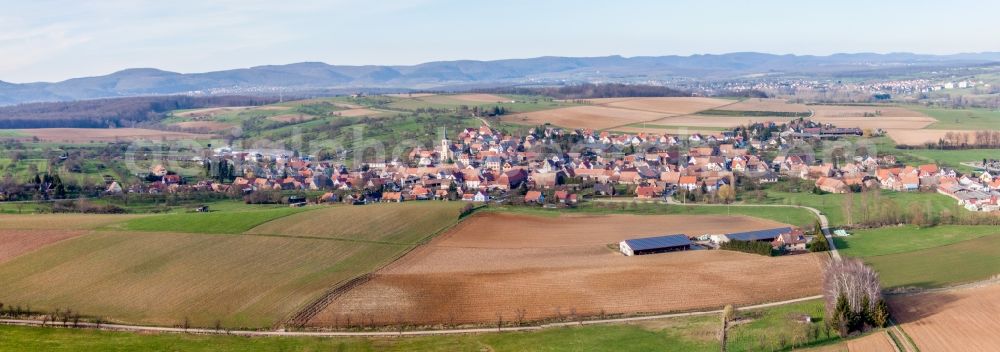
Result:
[
  {"x": 955, "y": 320},
  {"x": 524, "y": 267}
]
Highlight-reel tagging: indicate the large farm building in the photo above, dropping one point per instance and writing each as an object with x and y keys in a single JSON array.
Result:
[
  {"x": 768, "y": 235},
  {"x": 650, "y": 245}
]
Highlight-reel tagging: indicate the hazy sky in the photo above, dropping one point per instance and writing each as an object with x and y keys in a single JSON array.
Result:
[{"x": 55, "y": 40}]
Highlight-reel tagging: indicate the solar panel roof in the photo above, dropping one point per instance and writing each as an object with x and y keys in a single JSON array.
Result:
[
  {"x": 759, "y": 234},
  {"x": 640, "y": 244}
]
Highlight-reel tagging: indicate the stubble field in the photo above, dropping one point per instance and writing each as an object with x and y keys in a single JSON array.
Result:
[{"x": 524, "y": 267}]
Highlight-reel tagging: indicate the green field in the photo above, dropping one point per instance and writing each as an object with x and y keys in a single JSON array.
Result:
[
  {"x": 774, "y": 329},
  {"x": 210, "y": 222},
  {"x": 398, "y": 223},
  {"x": 669, "y": 335},
  {"x": 901, "y": 239},
  {"x": 832, "y": 205},
  {"x": 957, "y": 263},
  {"x": 791, "y": 216},
  {"x": 962, "y": 119}
]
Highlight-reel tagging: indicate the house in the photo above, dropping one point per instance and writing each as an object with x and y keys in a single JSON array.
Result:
[
  {"x": 832, "y": 185},
  {"x": 688, "y": 182},
  {"x": 392, "y": 197},
  {"x": 791, "y": 241},
  {"x": 647, "y": 192},
  {"x": 534, "y": 197},
  {"x": 114, "y": 188}
]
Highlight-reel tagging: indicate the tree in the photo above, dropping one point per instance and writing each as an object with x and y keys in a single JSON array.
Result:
[
  {"x": 727, "y": 193},
  {"x": 819, "y": 243},
  {"x": 880, "y": 314},
  {"x": 851, "y": 289}
]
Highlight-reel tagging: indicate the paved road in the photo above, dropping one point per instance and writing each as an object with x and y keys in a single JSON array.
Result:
[{"x": 157, "y": 329}]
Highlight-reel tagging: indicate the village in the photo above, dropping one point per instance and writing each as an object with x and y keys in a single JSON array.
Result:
[{"x": 558, "y": 167}]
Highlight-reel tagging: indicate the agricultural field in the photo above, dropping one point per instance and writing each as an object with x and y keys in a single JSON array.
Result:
[
  {"x": 962, "y": 119},
  {"x": 832, "y": 205},
  {"x": 690, "y": 334},
  {"x": 211, "y": 222},
  {"x": 901, "y": 239},
  {"x": 144, "y": 270},
  {"x": 954, "y": 320},
  {"x": 617, "y": 112},
  {"x": 407, "y": 223},
  {"x": 776, "y": 328},
  {"x": 162, "y": 278},
  {"x": 17, "y": 242},
  {"x": 758, "y": 104},
  {"x": 957, "y": 263},
  {"x": 85, "y": 135},
  {"x": 59, "y": 221},
  {"x": 562, "y": 266}
]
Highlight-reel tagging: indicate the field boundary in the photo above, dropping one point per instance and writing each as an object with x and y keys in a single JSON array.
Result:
[{"x": 259, "y": 333}]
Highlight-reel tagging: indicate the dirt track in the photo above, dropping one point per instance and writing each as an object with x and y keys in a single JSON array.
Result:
[{"x": 532, "y": 268}]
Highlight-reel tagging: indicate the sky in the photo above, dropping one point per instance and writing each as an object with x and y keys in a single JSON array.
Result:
[{"x": 50, "y": 41}]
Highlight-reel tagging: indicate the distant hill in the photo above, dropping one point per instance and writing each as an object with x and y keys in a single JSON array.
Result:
[{"x": 443, "y": 75}]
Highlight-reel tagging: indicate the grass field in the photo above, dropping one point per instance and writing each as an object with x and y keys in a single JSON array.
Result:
[
  {"x": 405, "y": 223},
  {"x": 668, "y": 335},
  {"x": 892, "y": 240},
  {"x": 211, "y": 222},
  {"x": 774, "y": 329},
  {"x": 955, "y": 263},
  {"x": 962, "y": 119},
  {"x": 831, "y": 205}
]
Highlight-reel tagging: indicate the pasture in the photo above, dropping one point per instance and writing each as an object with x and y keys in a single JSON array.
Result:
[
  {"x": 774, "y": 329},
  {"x": 901, "y": 239},
  {"x": 953, "y": 320},
  {"x": 955, "y": 263},
  {"x": 527, "y": 268}
]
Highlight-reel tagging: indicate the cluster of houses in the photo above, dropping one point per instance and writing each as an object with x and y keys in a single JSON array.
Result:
[{"x": 552, "y": 166}]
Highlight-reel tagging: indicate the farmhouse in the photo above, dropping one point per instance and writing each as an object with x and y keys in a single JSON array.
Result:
[{"x": 651, "y": 245}]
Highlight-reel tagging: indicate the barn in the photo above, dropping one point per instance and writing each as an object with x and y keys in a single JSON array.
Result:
[
  {"x": 760, "y": 235},
  {"x": 651, "y": 245}
]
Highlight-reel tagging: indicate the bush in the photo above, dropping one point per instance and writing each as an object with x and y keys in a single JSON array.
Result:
[{"x": 755, "y": 247}]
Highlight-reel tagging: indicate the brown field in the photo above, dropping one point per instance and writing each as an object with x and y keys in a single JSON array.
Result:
[
  {"x": 205, "y": 125},
  {"x": 356, "y": 112},
  {"x": 409, "y": 95},
  {"x": 892, "y": 117},
  {"x": 779, "y": 105},
  {"x": 877, "y": 342},
  {"x": 460, "y": 98},
  {"x": 672, "y": 130},
  {"x": 918, "y": 137},
  {"x": 498, "y": 263},
  {"x": 715, "y": 121},
  {"x": 671, "y": 105},
  {"x": 291, "y": 117},
  {"x": 59, "y": 221},
  {"x": 208, "y": 112},
  {"x": 16, "y": 242},
  {"x": 956, "y": 320},
  {"x": 595, "y": 117},
  {"x": 83, "y": 135}
]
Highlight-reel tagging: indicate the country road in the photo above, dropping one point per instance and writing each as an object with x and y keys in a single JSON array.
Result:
[{"x": 263, "y": 333}]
